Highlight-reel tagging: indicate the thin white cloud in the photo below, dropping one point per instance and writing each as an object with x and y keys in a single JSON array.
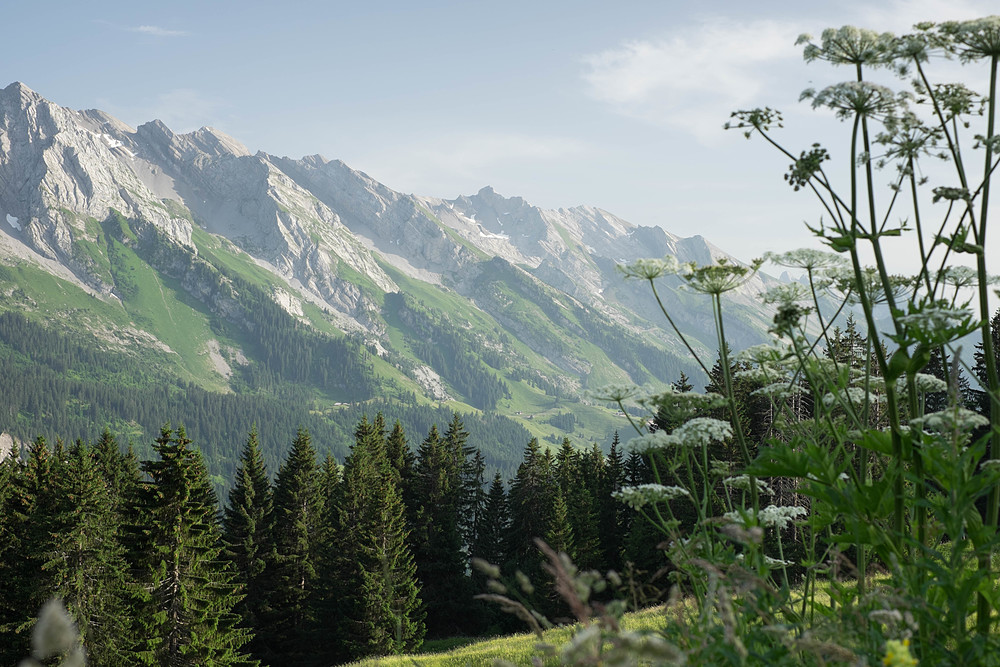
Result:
[
  {"x": 694, "y": 76},
  {"x": 181, "y": 109},
  {"x": 467, "y": 160},
  {"x": 899, "y": 16},
  {"x": 476, "y": 150},
  {"x": 157, "y": 31}
]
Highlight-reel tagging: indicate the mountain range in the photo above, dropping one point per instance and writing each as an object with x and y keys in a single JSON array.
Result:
[{"x": 216, "y": 269}]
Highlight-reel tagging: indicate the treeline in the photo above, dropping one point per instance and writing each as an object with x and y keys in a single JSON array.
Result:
[
  {"x": 640, "y": 359},
  {"x": 57, "y": 385},
  {"x": 288, "y": 350},
  {"x": 327, "y": 563},
  {"x": 445, "y": 348}
]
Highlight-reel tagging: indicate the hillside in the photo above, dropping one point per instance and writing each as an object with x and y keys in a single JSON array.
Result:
[{"x": 198, "y": 273}]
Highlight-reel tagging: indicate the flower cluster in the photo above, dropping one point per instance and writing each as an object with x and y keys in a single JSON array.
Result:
[
  {"x": 928, "y": 384},
  {"x": 650, "y": 269},
  {"x": 742, "y": 482},
  {"x": 979, "y": 38},
  {"x": 785, "y": 294},
  {"x": 855, "y": 395},
  {"x": 702, "y": 431},
  {"x": 615, "y": 393},
  {"x": 936, "y": 316},
  {"x": 806, "y": 258},
  {"x": 637, "y": 497},
  {"x": 952, "y": 420},
  {"x": 648, "y": 442},
  {"x": 680, "y": 405},
  {"x": 851, "y": 98},
  {"x": 775, "y": 516},
  {"x": 720, "y": 277},
  {"x": 848, "y": 46},
  {"x": 962, "y": 276}
]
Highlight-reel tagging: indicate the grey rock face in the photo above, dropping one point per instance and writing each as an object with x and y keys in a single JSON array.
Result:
[{"x": 327, "y": 230}]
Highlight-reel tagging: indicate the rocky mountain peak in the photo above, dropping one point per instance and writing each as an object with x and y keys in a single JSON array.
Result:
[
  {"x": 155, "y": 131},
  {"x": 18, "y": 90},
  {"x": 214, "y": 142}
]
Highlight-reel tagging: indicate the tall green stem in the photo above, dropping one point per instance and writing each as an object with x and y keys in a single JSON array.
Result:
[{"x": 983, "y": 609}]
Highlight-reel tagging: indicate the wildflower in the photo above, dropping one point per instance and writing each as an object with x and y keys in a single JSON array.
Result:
[
  {"x": 805, "y": 258},
  {"x": 897, "y": 654},
  {"x": 886, "y": 616},
  {"x": 763, "y": 354},
  {"x": 748, "y": 120},
  {"x": 702, "y": 431},
  {"x": 936, "y": 316},
  {"x": 720, "y": 277},
  {"x": 852, "y": 98},
  {"x": 759, "y": 374},
  {"x": 785, "y": 294},
  {"x": 846, "y": 282},
  {"x": 774, "y": 516},
  {"x": 928, "y": 384},
  {"x": 854, "y": 395},
  {"x": 615, "y": 393},
  {"x": 963, "y": 276},
  {"x": 637, "y": 497},
  {"x": 951, "y": 420},
  {"x": 742, "y": 482},
  {"x": 907, "y": 138},
  {"x": 682, "y": 404},
  {"x": 875, "y": 383},
  {"x": 779, "y": 390},
  {"x": 648, "y": 442},
  {"x": 979, "y": 38},
  {"x": 717, "y": 468},
  {"x": 848, "y": 46},
  {"x": 650, "y": 269}
]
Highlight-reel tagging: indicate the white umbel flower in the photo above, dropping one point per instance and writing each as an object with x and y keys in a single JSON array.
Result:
[
  {"x": 702, "y": 431},
  {"x": 950, "y": 421},
  {"x": 637, "y": 497},
  {"x": 742, "y": 482},
  {"x": 651, "y": 442}
]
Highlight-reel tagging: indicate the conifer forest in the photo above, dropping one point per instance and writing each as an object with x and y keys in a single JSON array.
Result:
[{"x": 323, "y": 561}]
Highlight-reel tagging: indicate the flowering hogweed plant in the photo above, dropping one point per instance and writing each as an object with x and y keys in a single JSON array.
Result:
[{"x": 872, "y": 450}]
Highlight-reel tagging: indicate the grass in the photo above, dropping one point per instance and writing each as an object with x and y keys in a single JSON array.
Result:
[{"x": 517, "y": 649}]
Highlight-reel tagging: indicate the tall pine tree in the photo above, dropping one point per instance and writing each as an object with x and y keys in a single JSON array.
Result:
[
  {"x": 382, "y": 611},
  {"x": 298, "y": 513},
  {"x": 188, "y": 616},
  {"x": 247, "y": 526}
]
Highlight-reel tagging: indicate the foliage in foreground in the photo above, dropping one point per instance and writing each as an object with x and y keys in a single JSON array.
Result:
[{"x": 879, "y": 464}]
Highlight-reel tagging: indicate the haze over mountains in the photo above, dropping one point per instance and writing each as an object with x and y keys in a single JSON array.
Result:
[{"x": 446, "y": 296}]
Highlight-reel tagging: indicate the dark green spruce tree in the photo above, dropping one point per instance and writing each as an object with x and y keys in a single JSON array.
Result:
[
  {"x": 247, "y": 527},
  {"x": 375, "y": 573},
  {"x": 531, "y": 500},
  {"x": 27, "y": 542},
  {"x": 187, "y": 617},
  {"x": 614, "y": 518},
  {"x": 298, "y": 514},
  {"x": 87, "y": 563},
  {"x": 438, "y": 545}
]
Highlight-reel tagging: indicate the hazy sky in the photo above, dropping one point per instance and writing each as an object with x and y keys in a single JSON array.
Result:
[{"x": 618, "y": 105}]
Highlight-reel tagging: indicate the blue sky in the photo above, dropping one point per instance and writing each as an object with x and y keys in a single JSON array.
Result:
[{"x": 617, "y": 105}]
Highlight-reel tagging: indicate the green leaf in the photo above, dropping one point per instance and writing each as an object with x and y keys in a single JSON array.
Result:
[
  {"x": 899, "y": 363},
  {"x": 876, "y": 441}
]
